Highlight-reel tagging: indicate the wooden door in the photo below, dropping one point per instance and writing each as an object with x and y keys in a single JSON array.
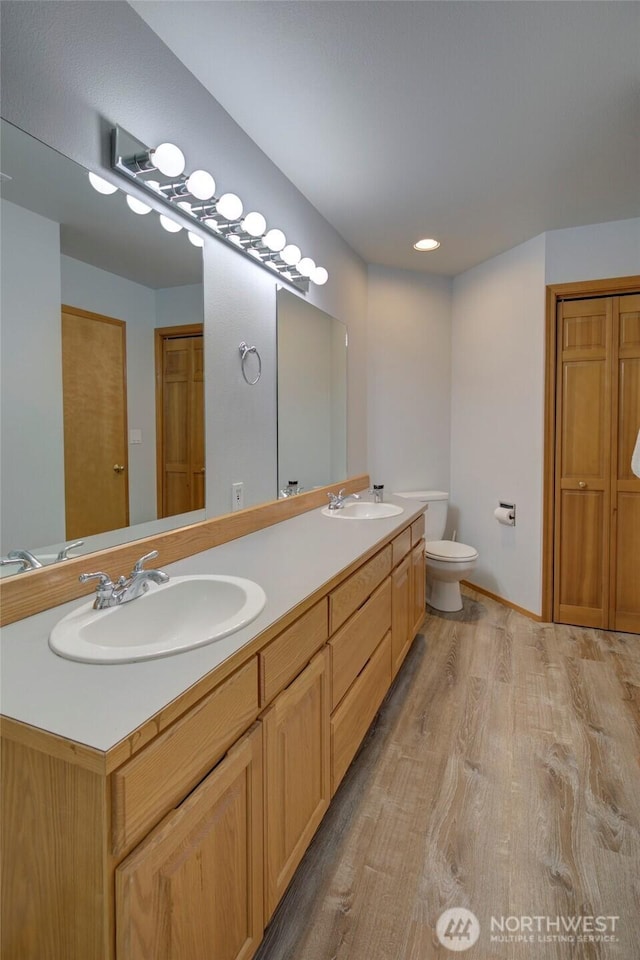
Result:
[
  {"x": 297, "y": 771},
  {"x": 193, "y": 889},
  {"x": 180, "y": 419},
  {"x": 95, "y": 423},
  {"x": 624, "y": 590},
  {"x": 402, "y": 613},
  {"x": 597, "y": 498},
  {"x": 583, "y": 462},
  {"x": 418, "y": 588}
]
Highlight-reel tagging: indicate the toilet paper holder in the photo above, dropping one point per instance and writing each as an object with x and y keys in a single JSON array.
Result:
[{"x": 506, "y": 513}]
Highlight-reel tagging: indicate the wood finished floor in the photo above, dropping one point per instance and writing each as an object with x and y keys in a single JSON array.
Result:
[{"x": 502, "y": 775}]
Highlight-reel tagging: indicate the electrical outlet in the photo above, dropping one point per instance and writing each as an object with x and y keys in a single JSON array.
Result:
[{"x": 237, "y": 496}]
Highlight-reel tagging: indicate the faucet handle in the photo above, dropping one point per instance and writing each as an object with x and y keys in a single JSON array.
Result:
[
  {"x": 64, "y": 553},
  {"x": 141, "y": 562},
  {"x": 104, "y": 578}
]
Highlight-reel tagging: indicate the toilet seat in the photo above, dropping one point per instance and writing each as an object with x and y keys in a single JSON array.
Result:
[{"x": 450, "y": 551}]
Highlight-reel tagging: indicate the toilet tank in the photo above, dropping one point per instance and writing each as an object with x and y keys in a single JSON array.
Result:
[{"x": 435, "y": 516}]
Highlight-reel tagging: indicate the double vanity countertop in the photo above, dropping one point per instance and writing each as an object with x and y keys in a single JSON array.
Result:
[{"x": 100, "y": 704}]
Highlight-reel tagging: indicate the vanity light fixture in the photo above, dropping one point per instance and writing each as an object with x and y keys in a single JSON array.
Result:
[
  {"x": 171, "y": 226},
  {"x": 101, "y": 185},
  {"x": 423, "y": 246},
  {"x": 192, "y": 195},
  {"x": 137, "y": 205}
]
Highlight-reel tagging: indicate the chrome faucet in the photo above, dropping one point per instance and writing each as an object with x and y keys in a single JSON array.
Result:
[
  {"x": 64, "y": 553},
  {"x": 25, "y": 558},
  {"x": 110, "y": 594},
  {"x": 337, "y": 500}
]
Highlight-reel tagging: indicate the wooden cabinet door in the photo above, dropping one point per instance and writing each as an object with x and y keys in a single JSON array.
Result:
[
  {"x": 583, "y": 458},
  {"x": 418, "y": 588},
  {"x": 402, "y": 613},
  {"x": 193, "y": 889},
  {"x": 625, "y": 486},
  {"x": 296, "y": 768}
]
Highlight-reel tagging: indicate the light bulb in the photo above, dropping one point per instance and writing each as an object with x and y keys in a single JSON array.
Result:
[
  {"x": 195, "y": 239},
  {"x": 427, "y": 244},
  {"x": 154, "y": 184},
  {"x": 275, "y": 240},
  {"x": 137, "y": 205},
  {"x": 168, "y": 159},
  {"x": 306, "y": 266},
  {"x": 102, "y": 186},
  {"x": 229, "y": 206},
  {"x": 170, "y": 225},
  {"x": 254, "y": 224},
  {"x": 291, "y": 254},
  {"x": 212, "y": 224},
  {"x": 201, "y": 185},
  {"x": 184, "y": 206},
  {"x": 319, "y": 276},
  {"x": 272, "y": 264}
]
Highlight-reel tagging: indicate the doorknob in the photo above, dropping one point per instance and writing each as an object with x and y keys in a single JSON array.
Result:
[
  {"x": 581, "y": 484},
  {"x": 118, "y": 467}
]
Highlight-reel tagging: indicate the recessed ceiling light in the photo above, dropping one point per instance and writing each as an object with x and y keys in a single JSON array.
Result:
[{"x": 426, "y": 244}]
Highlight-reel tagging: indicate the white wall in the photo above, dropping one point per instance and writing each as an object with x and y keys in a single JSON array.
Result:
[
  {"x": 70, "y": 71},
  {"x": 176, "y": 306},
  {"x": 409, "y": 379},
  {"x": 31, "y": 436},
  {"x": 498, "y": 393},
  {"x": 304, "y": 395},
  {"x": 595, "y": 252},
  {"x": 497, "y": 418}
]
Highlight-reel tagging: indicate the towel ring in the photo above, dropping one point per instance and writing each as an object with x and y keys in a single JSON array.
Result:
[{"x": 244, "y": 353}]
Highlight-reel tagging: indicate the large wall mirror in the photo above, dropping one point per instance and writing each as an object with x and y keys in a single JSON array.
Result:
[
  {"x": 101, "y": 315},
  {"x": 312, "y": 395}
]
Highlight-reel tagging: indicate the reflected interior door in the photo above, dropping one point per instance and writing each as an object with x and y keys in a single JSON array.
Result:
[
  {"x": 180, "y": 418},
  {"x": 95, "y": 422}
]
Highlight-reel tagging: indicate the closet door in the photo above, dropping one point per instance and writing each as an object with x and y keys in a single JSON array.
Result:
[
  {"x": 583, "y": 462},
  {"x": 625, "y": 487}
]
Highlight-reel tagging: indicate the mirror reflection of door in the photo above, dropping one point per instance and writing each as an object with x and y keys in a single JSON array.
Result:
[
  {"x": 95, "y": 422},
  {"x": 180, "y": 418}
]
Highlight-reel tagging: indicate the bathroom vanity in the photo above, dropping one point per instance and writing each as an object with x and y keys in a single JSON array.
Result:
[{"x": 160, "y": 809}]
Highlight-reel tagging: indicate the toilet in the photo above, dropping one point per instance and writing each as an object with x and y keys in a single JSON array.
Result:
[{"x": 448, "y": 562}]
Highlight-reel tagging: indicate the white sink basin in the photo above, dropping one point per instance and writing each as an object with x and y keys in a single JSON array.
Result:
[
  {"x": 355, "y": 510},
  {"x": 184, "y": 613}
]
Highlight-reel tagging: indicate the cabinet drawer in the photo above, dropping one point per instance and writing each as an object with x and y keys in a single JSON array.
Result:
[
  {"x": 351, "y": 594},
  {"x": 352, "y": 646},
  {"x": 417, "y": 530},
  {"x": 353, "y": 717},
  {"x": 400, "y": 547},
  {"x": 285, "y": 657},
  {"x": 150, "y": 784}
]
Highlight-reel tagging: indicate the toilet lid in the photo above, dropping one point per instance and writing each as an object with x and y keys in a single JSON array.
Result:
[{"x": 449, "y": 550}]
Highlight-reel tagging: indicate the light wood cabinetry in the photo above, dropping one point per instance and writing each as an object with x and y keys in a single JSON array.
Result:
[
  {"x": 352, "y": 719},
  {"x": 418, "y": 587},
  {"x": 153, "y": 781},
  {"x": 354, "y": 643},
  {"x": 179, "y": 844},
  {"x": 402, "y": 609},
  {"x": 296, "y": 752},
  {"x": 193, "y": 889}
]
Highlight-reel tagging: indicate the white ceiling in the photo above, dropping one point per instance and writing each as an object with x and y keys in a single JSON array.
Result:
[{"x": 480, "y": 123}]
